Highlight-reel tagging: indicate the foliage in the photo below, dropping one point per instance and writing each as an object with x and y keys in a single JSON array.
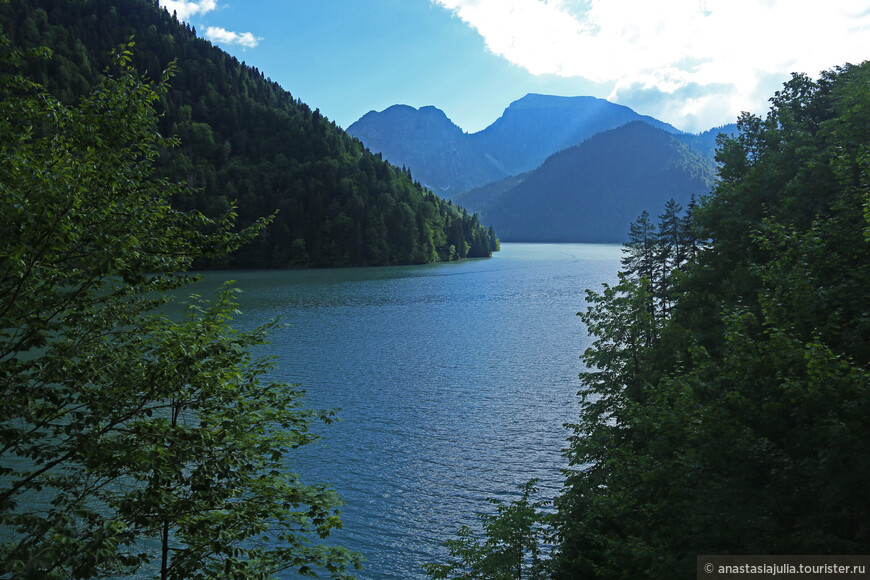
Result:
[
  {"x": 130, "y": 440},
  {"x": 511, "y": 548},
  {"x": 725, "y": 407},
  {"x": 247, "y": 143}
]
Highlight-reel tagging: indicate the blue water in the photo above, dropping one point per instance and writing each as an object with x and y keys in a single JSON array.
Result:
[{"x": 453, "y": 383}]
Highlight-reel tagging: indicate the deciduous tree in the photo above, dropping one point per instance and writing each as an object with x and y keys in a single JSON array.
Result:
[{"x": 130, "y": 439}]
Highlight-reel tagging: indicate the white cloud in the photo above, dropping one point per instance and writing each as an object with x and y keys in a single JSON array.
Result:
[
  {"x": 224, "y": 36},
  {"x": 184, "y": 9},
  {"x": 670, "y": 46}
]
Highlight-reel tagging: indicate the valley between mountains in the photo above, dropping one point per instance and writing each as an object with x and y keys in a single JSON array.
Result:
[{"x": 550, "y": 169}]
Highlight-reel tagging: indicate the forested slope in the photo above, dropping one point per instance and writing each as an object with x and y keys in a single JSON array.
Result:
[
  {"x": 245, "y": 140},
  {"x": 529, "y": 131},
  {"x": 589, "y": 193},
  {"x": 725, "y": 410},
  {"x": 725, "y": 401}
]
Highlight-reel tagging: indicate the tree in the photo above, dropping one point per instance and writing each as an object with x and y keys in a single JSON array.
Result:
[
  {"x": 244, "y": 139},
  {"x": 120, "y": 423},
  {"x": 741, "y": 427},
  {"x": 641, "y": 252},
  {"x": 494, "y": 244},
  {"x": 514, "y": 539},
  {"x": 672, "y": 250}
]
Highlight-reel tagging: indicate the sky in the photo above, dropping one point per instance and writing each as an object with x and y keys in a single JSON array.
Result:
[{"x": 695, "y": 64}]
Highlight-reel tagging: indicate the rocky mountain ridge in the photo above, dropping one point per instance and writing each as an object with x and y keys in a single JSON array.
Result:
[{"x": 450, "y": 161}]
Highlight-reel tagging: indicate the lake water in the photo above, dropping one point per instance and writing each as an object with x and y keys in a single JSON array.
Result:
[{"x": 453, "y": 383}]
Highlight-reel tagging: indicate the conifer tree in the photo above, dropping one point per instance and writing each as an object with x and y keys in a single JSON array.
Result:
[{"x": 742, "y": 427}]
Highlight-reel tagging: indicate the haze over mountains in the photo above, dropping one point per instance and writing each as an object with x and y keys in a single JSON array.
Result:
[
  {"x": 442, "y": 155},
  {"x": 448, "y": 160},
  {"x": 550, "y": 168},
  {"x": 592, "y": 192}
]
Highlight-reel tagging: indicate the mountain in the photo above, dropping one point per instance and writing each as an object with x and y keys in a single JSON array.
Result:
[
  {"x": 440, "y": 153},
  {"x": 705, "y": 143},
  {"x": 482, "y": 198},
  {"x": 530, "y": 130},
  {"x": 536, "y": 126},
  {"x": 245, "y": 140},
  {"x": 593, "y": 191}
]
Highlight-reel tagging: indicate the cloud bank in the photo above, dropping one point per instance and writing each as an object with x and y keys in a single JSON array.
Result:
[
  {"x": 224, "y": 36},
  {"x": 720, "y": 56}
]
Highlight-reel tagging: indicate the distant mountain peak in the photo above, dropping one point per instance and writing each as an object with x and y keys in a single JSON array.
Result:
[
  {"x": 431, "y": 109},
  {"x": 399, "y": 117},
  {"x": 539, "y": 101},
  {"x": 427, "y": 141},
  {"x": 592, "y": 191},
  {"x": 395, "y": 110},
  {"x": 530, "y": 130}
]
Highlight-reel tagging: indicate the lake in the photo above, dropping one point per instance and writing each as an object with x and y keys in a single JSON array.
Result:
[{"x": 453, "y": 382}]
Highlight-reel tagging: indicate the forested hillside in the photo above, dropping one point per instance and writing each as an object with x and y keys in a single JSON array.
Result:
[
  {"x": 535, "y": 127},
  {"x": 705, "y": 143},
  {"x": 724, "y": 409},
  {"x": 589, "y": 193},
  {"x": 730, "y": 379},
  {"x": 247, "y": 141}
]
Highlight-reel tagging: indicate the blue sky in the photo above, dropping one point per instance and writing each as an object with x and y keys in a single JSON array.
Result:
[{"x": 693, "y": 63}]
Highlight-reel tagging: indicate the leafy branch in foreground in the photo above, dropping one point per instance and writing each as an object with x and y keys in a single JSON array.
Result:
[
  {"x": 130, "y": 440},
  {"x": 511, "y": 547}
]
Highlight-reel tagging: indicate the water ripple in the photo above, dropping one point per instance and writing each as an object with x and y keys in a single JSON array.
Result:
[{"x": 453, "y": 380}]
